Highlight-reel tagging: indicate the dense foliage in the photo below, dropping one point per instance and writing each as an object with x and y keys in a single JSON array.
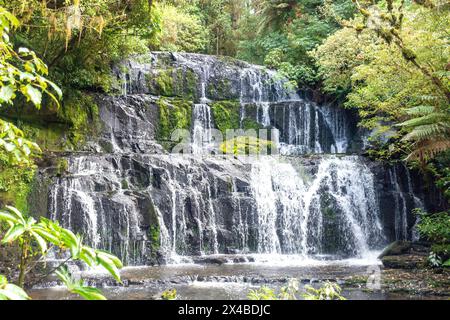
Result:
[
  {"x": 36, "y": 240},
  {"x": 393, "y": 63},
  {"x": 22, "y": 72},
  {"x": 436, "y": 228}
]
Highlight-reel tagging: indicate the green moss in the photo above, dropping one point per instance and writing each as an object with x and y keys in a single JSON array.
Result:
[
  {"x": 245, "y": 145},
  {"x": 124, "y": 184},
  {"x": 49, "y": 137},
  {"x": 226, "y": 114},
  {"x": 173, "y": 114},
  {"x": 221, "y": 89},
  {"x": 60, "y": 129},
  {"x": 190, "y": 84},
  {"x": 248, "y": 123},
  {"x": 15, "y": 185},
  {"x": 173, "y": 82},
  {"x": 81, "y": 112},
  {"x": 164, "y": 82},
  {"x": 155, "y": 239},
  {"x": 329, "y": 213},
  {"x": 62, "y": 166}
]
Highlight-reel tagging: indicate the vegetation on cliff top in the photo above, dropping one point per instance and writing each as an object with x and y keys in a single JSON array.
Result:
[{"x": 22, "y": 73}]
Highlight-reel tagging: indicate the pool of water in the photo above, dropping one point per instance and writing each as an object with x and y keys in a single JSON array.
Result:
[{"x": 225, "y": 281}]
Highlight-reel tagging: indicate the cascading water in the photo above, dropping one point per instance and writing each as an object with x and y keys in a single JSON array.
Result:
[
  {"x": 148, "y": 206},
  {"x": 332, "y": 212}
]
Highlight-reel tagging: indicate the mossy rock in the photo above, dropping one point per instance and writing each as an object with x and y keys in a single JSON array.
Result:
[
  {"x": 226, "y": 115},
  {"x": 65, "y": 128},
  {"x": 155, "y": 238},
  {"x": 248, "y": 123},
  {"x": 396, "y": 248},
  {"x": 220, "y": 90},
  {"x": 404, "y": 261},
  {"x": 49, "y": 137},
  {"x": 245, "y": 145},
  {"x": 16, "y": 183},
  {"x": 165, "y": 82},
  {"x": 81, "y": 112},
  {"x": 174, "y": 82},
  {"x": 62, "y": 166},
  {"x": 124, "y": 184},
  {"x": 173, "y": 114}
]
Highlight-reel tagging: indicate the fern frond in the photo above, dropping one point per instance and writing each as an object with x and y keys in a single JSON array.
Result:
[
  {"x": 420, "y": 110},
  {"x": 424, "y": 120},
  {"x": 428, "y": 131},
  {"x": 428, "y": 149}
]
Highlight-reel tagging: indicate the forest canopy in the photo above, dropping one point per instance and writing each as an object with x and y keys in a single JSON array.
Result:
[{"x": 389, "y": 60}]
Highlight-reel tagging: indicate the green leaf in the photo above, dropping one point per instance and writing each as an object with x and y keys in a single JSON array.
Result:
[
  {"x": 13, "y": 292},
  {"x": 89, "y": 293},
  {"x": 446, "y": 263},
  {"x": 6, "y": 93},
  {"x": 106, "y": 263},
  {"x": 8, "y": 217},
  {"x": 41, "y": 242},
  {"x": 13, "y": 233},
  {"x": 64, "y": 275},
  {"x": 56, "y": 88},
  {"x": 32, "y": 94},
  {"x": 71, "y": 241},
  {"x": 112, "y": 257},
  {"x": 17, "y": 213},
  {"x": 23, "y": 50},
  {"x": 88, "y": 255},
  {"x": 47, "y": 235}
]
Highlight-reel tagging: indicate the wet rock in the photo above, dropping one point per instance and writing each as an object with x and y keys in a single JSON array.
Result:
[
  {"x": 130, "y": 196},
  {"x": 211, "y": 260},
  {"x": 240, "y": 260},
  {"x": 396, "y": 248},
  {"x": 404, "y": 261}
]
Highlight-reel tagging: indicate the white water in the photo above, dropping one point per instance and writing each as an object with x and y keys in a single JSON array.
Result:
[
  {"x": 300, "y": 212},
  {"x": 290, "y": 212}
]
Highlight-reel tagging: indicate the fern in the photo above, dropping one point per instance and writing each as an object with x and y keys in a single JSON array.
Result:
[
  {"x": 429, "y": 129},
  {"x": 420, "y": 110},
  {"x": 426, "y": 131},
  {"x": 423, "y": 120},
  {"x": 428, "y": 149}
]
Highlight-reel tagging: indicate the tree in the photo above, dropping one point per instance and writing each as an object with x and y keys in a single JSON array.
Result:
[
  {"x": 180, "y": 31},
  {"x": 22, "y": 73},
  {"x": 387, "y": 23},
  {"x": 287, "y": 30},
  {"x": 395, "y": 74},
  {"x": 80, "y": 39}
]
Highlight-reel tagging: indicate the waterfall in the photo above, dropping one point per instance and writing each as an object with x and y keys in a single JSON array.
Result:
[
  {"x": 294, "y": 211},
  {"x": 202, "y": 118},
  {"x": 309, "y": 202},
  {"x": 78, "y": 204},
  {"x": 401, "y": 218},
  {"x": 201, "y": 132}
]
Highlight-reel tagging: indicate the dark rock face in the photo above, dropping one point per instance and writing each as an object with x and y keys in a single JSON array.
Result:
[{"x": 127, "y": 194}]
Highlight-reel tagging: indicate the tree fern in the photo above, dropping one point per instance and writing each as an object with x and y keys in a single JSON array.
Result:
[
  {"x": 429, "y": 129},
  {"x": 428, "y": 149},
  {"x": 420, "y": 110}
]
